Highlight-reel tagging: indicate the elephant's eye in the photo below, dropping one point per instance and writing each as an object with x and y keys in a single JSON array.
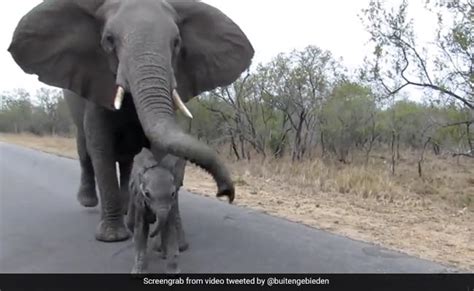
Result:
[
  {"x": 108, "y": 42},
  {"x": 110, "y": 39},
  {"x": 173, "y": 195},
  {"x": 176, "y": 43}
]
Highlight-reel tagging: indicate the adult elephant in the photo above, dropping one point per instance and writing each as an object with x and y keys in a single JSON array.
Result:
[{"x": 148, "y": 52}]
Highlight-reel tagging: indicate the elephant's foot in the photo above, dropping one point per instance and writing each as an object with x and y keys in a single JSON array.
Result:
[
  {"x": 108, "y": 231},
  {"x": 182, "y": 242},
  {"x": 183, "y": 246},
  {"x": 87, "y": 196},
  {"x": 137, "y": 269},
  {"x": 172, "y": 268}
]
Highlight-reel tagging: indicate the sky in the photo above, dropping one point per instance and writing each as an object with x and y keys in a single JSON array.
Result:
[{"x": 273, "y": 26}]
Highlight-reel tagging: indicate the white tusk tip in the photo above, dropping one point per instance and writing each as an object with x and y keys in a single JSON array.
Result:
[
  {"x": 119, "y": 98},
  {"x": 180, "y": 104}
]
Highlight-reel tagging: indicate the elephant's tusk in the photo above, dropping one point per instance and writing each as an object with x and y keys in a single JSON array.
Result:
[
  {"x": 119, "y": 98},
  {"x": 181, "y": 105}
]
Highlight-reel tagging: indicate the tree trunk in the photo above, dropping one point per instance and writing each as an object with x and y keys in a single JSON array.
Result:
[
  {"x": 469, "y": 140},
  {"x": 393, "y": 152},
  {"x": 422, "y": 158}
]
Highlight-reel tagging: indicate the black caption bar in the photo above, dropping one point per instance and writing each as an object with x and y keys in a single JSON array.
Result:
[{"x": 346, "y": 282}]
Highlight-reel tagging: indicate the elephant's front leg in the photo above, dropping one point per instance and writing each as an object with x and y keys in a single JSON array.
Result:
[
  {"x": 111, "y": 227},
  {"x": 170, "y": 246},
  {"x": 179, "y": 171},
  {"x": 140, "y": 239},
  {"x": 101, "y": 147},
  {"x": 183, "y": 243},
  {"x": 86, "y": 195}
]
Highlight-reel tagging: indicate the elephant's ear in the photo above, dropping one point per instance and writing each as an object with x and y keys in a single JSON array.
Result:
[
  {"x": 60, "y": 42},
  {"x": 176, "y": 166},
  {"x": 178, "y": 172},
  {"x": 214, "y": 50},
  {"x": 133, "y": 187}
]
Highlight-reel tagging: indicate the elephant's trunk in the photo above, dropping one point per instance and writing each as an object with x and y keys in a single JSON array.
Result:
[
  {"x": 151, "y": 88},
  {"x": 160, "y": 224}
]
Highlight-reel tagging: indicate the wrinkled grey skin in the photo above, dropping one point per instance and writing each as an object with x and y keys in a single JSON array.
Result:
[
  {"x": 154, "y": 199},
  {"x": 148, "y": 47},
  {"x": 121, "y": 132}
]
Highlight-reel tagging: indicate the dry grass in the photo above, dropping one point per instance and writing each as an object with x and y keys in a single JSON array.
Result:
[
  {"x": 431, "y": 218},
  {"x": 62, "y": 146}
]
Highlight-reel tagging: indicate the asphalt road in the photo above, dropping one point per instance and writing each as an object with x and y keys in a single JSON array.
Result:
[{"x": 43, "y": 229}]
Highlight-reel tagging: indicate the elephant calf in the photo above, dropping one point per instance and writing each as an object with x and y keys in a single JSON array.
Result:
[{"x": 154, "y": 200}]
